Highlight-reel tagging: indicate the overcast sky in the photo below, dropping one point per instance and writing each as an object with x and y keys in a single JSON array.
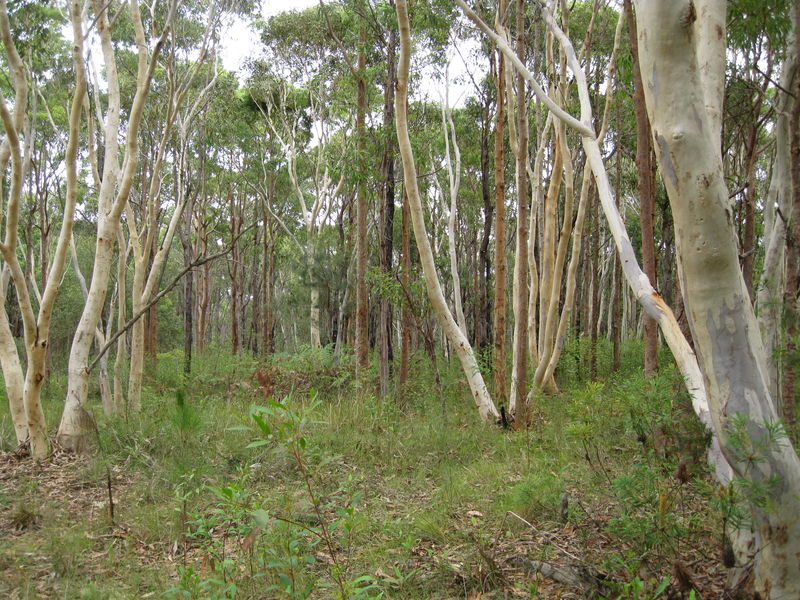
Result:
[{"x": 241, "y": 42}]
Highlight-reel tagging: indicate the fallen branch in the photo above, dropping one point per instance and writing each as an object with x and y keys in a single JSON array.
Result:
[{"x": 589, "y": 580}]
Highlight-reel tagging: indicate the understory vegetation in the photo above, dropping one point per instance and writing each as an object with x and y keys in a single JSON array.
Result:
[{"x": 280, "y": 478}]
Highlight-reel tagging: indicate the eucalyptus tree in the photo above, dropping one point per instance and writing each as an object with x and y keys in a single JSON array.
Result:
[
  {"x": 30, "y": 37},
  {"x": 112, "y": 196},
  {"x": 16, "y": 147},
  {"x": 459, "y": 341},
  {"x": 348, "y": 26},
  {"x": 680, "y": 43},
  {"x": 555, "y": 314},
  {"x": 650, "y": 300},
  {"x": 646, "y": 188},
  {"x": 500, "y": 388},
  {"x": 297, "y": 85},
  {"x": 683, "y": 43},
  {"x": 760, "y": 121},
  {"x": 183, "y": 93}
]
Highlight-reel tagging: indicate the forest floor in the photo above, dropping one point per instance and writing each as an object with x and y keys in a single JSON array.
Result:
[{"x": 332, "y": 493}]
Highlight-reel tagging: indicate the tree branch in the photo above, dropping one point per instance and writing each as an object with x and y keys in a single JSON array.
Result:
[{"x": 196, "y": 263}]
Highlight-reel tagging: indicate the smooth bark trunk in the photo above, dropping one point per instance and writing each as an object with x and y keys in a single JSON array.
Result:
[
  {"x": 674, "y": 41},
  {"x": 486, "y": 407}
]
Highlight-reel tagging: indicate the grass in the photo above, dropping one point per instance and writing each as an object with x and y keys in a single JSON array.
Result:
[{"x": 376, "y": 501}]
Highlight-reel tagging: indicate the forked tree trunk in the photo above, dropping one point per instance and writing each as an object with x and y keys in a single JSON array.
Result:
[
  {"x": 76, "y": 425},
  {"x": 106, "y": 397},
  {"x": 37, "y": 326},
  {"x": 679, "y": 88},
  {"x": 454, "y": 183},
  {"x": 454, "y": 335}
]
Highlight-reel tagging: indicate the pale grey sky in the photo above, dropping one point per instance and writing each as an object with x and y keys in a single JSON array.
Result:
[{"x": 240, "y": 43}]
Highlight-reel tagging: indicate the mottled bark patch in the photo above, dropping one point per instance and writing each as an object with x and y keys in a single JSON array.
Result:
[{"x": 667, "y": 166}]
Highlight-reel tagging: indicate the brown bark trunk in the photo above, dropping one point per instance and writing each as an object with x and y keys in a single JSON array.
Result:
[
  {"x": 483, "y": 318},
  {"x": 405, "y": 324},
  {"x": 500, "y": 375},
  {"x": 595, "y": 300},
  {"x": 616, "y": 297},
  {"x": 387, "y": 215},
  {"x": 646, "y": 187},
  {"x": 233, "y": 271},
  {"x": 188, "y": 290},
  {"x": 362, "y": 307},
  {"x": 268, "y": 267}
]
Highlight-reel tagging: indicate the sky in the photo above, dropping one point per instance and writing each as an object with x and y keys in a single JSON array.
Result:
[{"x": 240, "y": 42}]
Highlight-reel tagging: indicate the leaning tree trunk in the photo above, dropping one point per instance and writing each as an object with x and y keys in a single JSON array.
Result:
[
  {"x": 680, "y": 86},
  {"x": 457, "y": 339}
]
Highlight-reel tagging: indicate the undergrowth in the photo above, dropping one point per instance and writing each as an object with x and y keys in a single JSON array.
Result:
[{"x": 279, "y": 479}]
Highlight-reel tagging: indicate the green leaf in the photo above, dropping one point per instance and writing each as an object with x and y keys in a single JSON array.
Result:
[
  {"x": 257, "y": 443},
  {"x": 261, "y": 517}
]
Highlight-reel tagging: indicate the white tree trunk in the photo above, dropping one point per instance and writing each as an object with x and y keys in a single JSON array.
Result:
[
  {"x": 37, "y": 327},
  {"x": 720, "y": 314},
  {"x": 76, "y": 425},
  {"x": 136, "y": 366},
  {"x": 776, "y": 209},
  {"x": 122, "y": 348},
  {"x": 486, "y": 407},
  {"x": 454, "y": 180},
  {"x": 12, "y": 369},
  {"x": 313, "y": 316}
]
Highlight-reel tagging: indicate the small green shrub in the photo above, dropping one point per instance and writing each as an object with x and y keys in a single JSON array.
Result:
[{"x": 537, "y": 496}]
